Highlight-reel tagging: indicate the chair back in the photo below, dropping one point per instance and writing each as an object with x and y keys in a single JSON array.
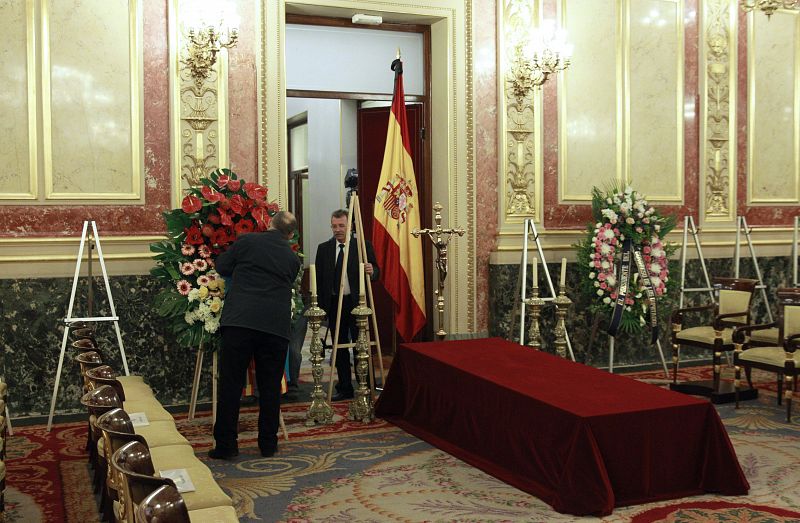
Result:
[
  {"x": 735, "y": 295},
  {"x": 105, "y": 375},
  {"x": 84, "y": 344},
  {"x": 163, "y": 505},
  {"x": 83, "y": 333},
  {"x": 117, "y": 430},
  {"x": 134, "y": 467},
  {"x": 88, "y": 360},
  {"x": 101, "y": 399},
  {"x": 788, "y": 313}
]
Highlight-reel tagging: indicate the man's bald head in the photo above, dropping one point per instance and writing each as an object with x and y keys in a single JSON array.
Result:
[{"x": 284, "y": 222}]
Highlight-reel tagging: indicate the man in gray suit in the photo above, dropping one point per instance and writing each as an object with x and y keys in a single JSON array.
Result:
[{"x": 255, "y": 323}]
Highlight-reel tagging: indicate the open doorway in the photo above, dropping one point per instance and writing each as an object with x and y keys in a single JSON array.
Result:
[{"x": 331, "y": 132}]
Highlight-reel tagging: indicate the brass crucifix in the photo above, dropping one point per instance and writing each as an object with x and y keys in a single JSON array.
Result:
[{"x": 440, "y": 238}]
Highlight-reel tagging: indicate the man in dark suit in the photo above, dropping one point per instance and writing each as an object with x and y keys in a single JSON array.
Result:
[
  {"x": 255, "y": 324},
  {"x": 329, "y": 262}
]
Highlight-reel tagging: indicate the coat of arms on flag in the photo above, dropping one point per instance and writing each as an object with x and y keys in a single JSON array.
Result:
[{"x": 396, "y": 198}]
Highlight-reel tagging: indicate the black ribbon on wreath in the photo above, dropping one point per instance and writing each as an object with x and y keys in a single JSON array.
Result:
[{"x": 630, "y": 256}]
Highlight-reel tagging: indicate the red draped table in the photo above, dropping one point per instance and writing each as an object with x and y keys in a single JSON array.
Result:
[{"x": 581, "y": 439}]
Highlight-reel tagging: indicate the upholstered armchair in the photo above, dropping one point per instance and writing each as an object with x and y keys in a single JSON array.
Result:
[
  {"x": 734, "y": 297},
  {"x": 782, "y": 358}
]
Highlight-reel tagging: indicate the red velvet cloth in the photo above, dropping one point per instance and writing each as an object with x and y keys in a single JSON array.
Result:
[{"x": 579, "y": 438}]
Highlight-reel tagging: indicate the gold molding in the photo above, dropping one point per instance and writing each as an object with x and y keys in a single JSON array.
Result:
[
  {"x": 198, "y": 111},
  {"x": 718, "y": 66},
  {"x": 32, "y": 99},
  {"x": 135, "y": 64},
  {"x": 751, "y": 98},
  {"x": 71, "y": 257},
  {"x": 520, "y": 123}
]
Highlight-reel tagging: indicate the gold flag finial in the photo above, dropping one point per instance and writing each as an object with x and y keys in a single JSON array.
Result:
[{"x": 398, "y": 53}]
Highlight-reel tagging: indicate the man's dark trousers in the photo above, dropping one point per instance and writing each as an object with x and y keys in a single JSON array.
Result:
[
  {"x": 239, "y": 346},
  {"x": 347, "y": 334}
]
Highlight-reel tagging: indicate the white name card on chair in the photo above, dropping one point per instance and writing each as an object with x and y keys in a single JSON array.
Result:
[
  {"x": 181, "y": 478},
  {"x": 139, "y": 419}
]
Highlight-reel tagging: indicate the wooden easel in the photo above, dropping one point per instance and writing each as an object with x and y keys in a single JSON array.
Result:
[
  {"x": 354, "y": 215},
  {"x": 93, "y": 241}
]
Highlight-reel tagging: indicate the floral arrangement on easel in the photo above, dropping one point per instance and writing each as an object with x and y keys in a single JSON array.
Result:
[
  {"x": 619, "y": 215},
  {"x": 210, "y": 218}
]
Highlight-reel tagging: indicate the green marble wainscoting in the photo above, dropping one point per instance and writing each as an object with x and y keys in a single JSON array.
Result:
[
  {"x": 32, "y": 312},
  {"x": 628, "y": 350}
]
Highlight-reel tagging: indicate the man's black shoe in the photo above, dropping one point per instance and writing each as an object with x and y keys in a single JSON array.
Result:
[
  {"x": 219, "y": 453},
  {"x": 268, "y": 453},
  {"x": 341, "y": 396}
]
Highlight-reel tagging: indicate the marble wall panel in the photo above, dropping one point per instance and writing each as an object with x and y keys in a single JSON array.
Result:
[
  {"x": 16, "y": 179},
  {"x": 654, "y": 103},
  {"x": 774, "y": 169},
  {"x": 92, "y": 127},
  {"x": 31, "y": 341},
  {"x": 589, "y": 125},
  {"x": 590, "y": 343}
]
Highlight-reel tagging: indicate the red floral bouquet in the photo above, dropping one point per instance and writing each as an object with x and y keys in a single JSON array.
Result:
[{"x": 210, "y": 218}]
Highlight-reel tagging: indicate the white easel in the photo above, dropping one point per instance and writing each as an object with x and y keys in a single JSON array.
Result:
[
  {"x": 354, "y": 214},
  {"x": 795, "y": 283},
  {"x": 93, "y": 240},
  {"x": 689, "y": 226},
  {"x": 522, "y": 278},
  {"x": 741, "y": 225}
]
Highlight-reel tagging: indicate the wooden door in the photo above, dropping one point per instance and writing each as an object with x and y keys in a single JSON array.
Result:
[{"x": 373, "y": 123}]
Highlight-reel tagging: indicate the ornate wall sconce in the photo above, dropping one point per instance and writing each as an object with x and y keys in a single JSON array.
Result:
[
  {"x": 769, "y": 6},
  {"x": 203, "y": 46},
  {"x": 546, "y": 52}
]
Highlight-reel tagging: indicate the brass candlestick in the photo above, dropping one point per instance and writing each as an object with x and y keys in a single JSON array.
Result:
[
  {"x": 562, "y": 304},
  {"x": 535, "y": 303},
  {"x": 440, "y": 238},
  {"x": 361, "y": 408},
  {"x": 320, "y": 410}
]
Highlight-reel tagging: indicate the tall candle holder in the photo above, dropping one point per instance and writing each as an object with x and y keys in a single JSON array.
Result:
[
  {"x": 361, "y": 408},
  {"x": 562, "y": 304},
  {"x": 320, "y": 411},
  {"x": 536, "y": 303}
]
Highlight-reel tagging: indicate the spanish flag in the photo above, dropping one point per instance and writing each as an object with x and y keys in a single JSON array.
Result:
[{"x": 397, "y": 202}]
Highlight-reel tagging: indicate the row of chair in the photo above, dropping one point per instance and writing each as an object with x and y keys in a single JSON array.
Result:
[
  {"x": 769, "y": 346},
  {"x": 129, "y": 458},
  {"x": 3, "y": 436}
]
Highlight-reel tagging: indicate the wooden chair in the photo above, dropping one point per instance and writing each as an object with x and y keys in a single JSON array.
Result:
[
  {"x": 166, "y": 505},
  {"x": 734, "y": 297},
  {"x": 783, "y": 358},
  {"x": 129, "y": 388},
  {"x": 86, "y": 333},
  {"x": 88, "y": 360}
]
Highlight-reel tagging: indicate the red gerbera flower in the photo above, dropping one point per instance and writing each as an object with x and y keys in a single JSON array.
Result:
[
  {"x": 184, "y": 287},
  {"x": 187, "y": 250},
  {"x": 193, "y": 235},
  {"x": 191, "y": 204},
  {"x": 204, "y": 251},
  {"x": 243, "y": 226},
  {"x": 208, "y": 230}
]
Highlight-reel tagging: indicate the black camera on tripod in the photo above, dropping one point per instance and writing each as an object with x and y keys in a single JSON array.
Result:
[{"x": 351, "y": 184}]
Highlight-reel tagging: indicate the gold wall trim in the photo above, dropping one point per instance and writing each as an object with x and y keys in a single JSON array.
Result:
[
  {"x": 718, "y": 76},
  {"x": 76, "y": 240},
  {"x": 751, "y": 108},
  {"x": 32, "y": 100},
  {"x": 67, "y": 257},
  {"x": 520, "y": 124},
  {"x": 135, "y": 64},
  {"x": 470, "y": 120}
]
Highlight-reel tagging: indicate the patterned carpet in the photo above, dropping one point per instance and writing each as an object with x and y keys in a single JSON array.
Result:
[{"x": 351, "y": 472}]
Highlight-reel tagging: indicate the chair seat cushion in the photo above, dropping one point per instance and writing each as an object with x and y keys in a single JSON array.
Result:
[
  {"x": 207, "y": 493},
  {"x": 135, "y": 388},
  {"x": 150, "y": 406},
  {"x": 3, "y": 389},
  {"x": 704, "y": 335},
  {"x": 161, "y": 434},
  {"x": 2, "y": 471},
  {"x": 774, "y": 356},
  {"x": 214, "y": 515},
  {"x": 765, "y": 335}
]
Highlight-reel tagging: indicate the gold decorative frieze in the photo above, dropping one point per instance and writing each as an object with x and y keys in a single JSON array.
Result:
[
  {"x": 520, "y": 161},
  {"x": 718, "y": 123}
]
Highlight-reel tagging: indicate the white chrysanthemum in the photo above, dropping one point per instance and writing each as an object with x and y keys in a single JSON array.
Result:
[
  {"x": 189, "y": 317},
  {"x": 605, "y": 264},
  {"x": 655, "y": 267},
  {"x": 655, "y": 280},
  {"x": 597, "y": 225},
  {"x": 591, "y": 263},
  {"x": 592, "y": 275},
  {"x": 599, "y": 292},
  {"x": 611, "y": 280},
  {"x": 204, "y": 311},
  {"x": 606, "y": 300},
  {"x": 597, "y": 284},
  {"x": 194, "y": 294},
  {"x": 211, "y": 325},
  {"x": 605, "y": 248},
  {"x": 609, "y": 200},
  {"x": 624, "y": 208},
  {"x": 609, "y": 213},
  {"x": 608, "y": 234},
  {"x": 657, "y": 253}
]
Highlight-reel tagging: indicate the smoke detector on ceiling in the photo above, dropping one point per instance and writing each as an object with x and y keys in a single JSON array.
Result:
[{"x": 363, "y": 19}]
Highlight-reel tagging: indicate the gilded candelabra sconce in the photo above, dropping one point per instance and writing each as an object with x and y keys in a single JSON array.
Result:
[
  {"x": 441, "y": 239},
  {"x": 769, "y": 6},
  {"x": 534, "y": 60},
  {"x": 204, "y": 45}
]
